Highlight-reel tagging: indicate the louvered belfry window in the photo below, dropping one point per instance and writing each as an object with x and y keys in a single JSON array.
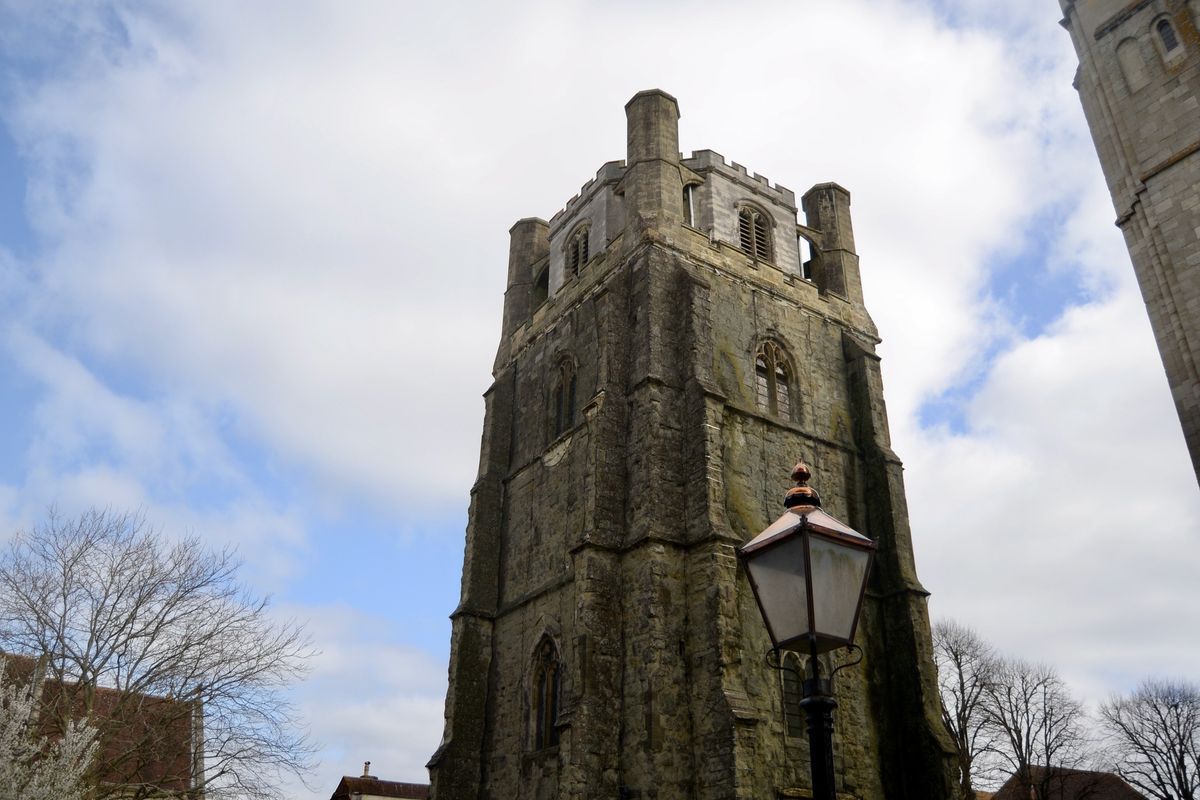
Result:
[
  {"x": 577, "y": 251},
  {"x": 754, "y": 235},
  {"x": 773, "y": 381},
  {"x": 1167, "y": 33}
]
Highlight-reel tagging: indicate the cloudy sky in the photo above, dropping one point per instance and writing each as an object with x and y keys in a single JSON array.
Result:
[{"x": 252, "y": 259}]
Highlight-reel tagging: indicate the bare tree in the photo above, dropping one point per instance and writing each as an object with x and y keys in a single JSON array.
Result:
[
  {"x": 157, "y": 646},
  {"x": 1155, "y": 734},
  {"x": 34, "y": 766},
  {"x": 966, "y": 669},
  {"x": 1037, "y": 723}
]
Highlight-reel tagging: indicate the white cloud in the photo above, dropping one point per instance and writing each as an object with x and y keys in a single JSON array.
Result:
[
  {"x": 310, "y": 230},
  {"x": 370, "y": 698},
  {"x": 1074, "y": 488}
]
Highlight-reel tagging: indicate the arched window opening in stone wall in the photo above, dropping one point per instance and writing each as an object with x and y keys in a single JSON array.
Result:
[
  {"x": 808, "y": 256},
  {"x": 689, "y": 204},
  {"x": 773, "y": 381},
  {"x": 545, "y": 701},
  {"x": 577, "y": 250},
  {"x": 1166, "y": 34},
  {"x": 754, "y": 233},
  {"x": 562, "y": 398}
]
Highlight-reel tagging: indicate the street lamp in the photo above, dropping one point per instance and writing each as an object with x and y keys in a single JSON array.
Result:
[{"x": 809, "y": 574}]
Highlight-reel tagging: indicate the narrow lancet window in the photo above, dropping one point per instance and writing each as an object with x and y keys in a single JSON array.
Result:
[
  {"x": 562, "y": 398},
  {"x": 783, "y": 391},
  {"x": 1166, "y": 32},
  {"x": 689, "y": 204},
  {"x": 545, "y": 701},
  {"x": 577, "y": 251}
]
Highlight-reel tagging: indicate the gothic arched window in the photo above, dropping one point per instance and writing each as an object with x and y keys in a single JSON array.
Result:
[
  {"x": 754, "y": 233},
  {"x": 577, "y": 250},
  {"x": 1166, "y": 33},
  {"x": 545, "y": 698},
  {"x": 773, "y": 381},
  {"x": 562, "y": 398}
]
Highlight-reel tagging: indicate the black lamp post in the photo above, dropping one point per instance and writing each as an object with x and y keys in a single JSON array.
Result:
[{"x": 809, "y": 574}]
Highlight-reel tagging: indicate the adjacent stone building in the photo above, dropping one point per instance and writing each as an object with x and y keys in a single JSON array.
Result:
[
  {"x": 1139, "y": 82},
  {"x": 668, "y": 352}
]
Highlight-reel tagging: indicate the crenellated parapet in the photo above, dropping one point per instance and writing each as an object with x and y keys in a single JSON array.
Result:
[
  {"x": 705, "y": 161},
  {"x": 712, "y": 207}
]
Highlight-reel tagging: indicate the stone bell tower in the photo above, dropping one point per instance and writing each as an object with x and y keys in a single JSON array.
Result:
[
  {"x": 1139, "y": 82},
  {"x": 668, "y": 352}
]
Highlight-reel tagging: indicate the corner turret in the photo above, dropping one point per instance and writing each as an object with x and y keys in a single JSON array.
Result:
[
  {"x": 653, "y": 184},
  {"x": 528, "y": 247}
]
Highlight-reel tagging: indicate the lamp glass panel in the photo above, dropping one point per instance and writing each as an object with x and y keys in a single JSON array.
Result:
[
  {"x": 838, "y": 572},
  {"x": 778, "y": 574}
]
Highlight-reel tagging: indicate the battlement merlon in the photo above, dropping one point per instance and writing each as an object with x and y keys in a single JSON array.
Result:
[{"x": 608, "y": 175}]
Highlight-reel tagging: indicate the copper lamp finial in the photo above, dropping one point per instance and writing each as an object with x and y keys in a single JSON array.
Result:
[{"x": 802, "y": 494}]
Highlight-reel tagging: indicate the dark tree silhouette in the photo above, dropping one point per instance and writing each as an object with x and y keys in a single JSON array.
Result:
[
  {"x": 1155, "y": 734},
  {"x": 966, "y": 670}
]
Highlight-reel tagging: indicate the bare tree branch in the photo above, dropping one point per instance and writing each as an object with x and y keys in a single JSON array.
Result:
[
  {"x": 1155, "y": 734},
  {"x": 966, "y": 670},
  {"x": 1036, "y": 723}
]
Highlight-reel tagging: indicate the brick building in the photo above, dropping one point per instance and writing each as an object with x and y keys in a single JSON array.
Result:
[
  {"x": 148, "y": 746},
  {"x": 668, "y": 352},
  {"x": 1139, "y": 82},
  {"x": 1060, "y": 783},
  {"x": 369, "y": 787}
]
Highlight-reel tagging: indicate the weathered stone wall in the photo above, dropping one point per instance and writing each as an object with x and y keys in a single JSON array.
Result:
[
  {"x": 1142, "y": 102},
  {"x": 617, "y": 538}
]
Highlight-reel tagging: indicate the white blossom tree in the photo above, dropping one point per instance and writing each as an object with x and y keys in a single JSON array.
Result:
[{"x": 34, "y": 766}]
